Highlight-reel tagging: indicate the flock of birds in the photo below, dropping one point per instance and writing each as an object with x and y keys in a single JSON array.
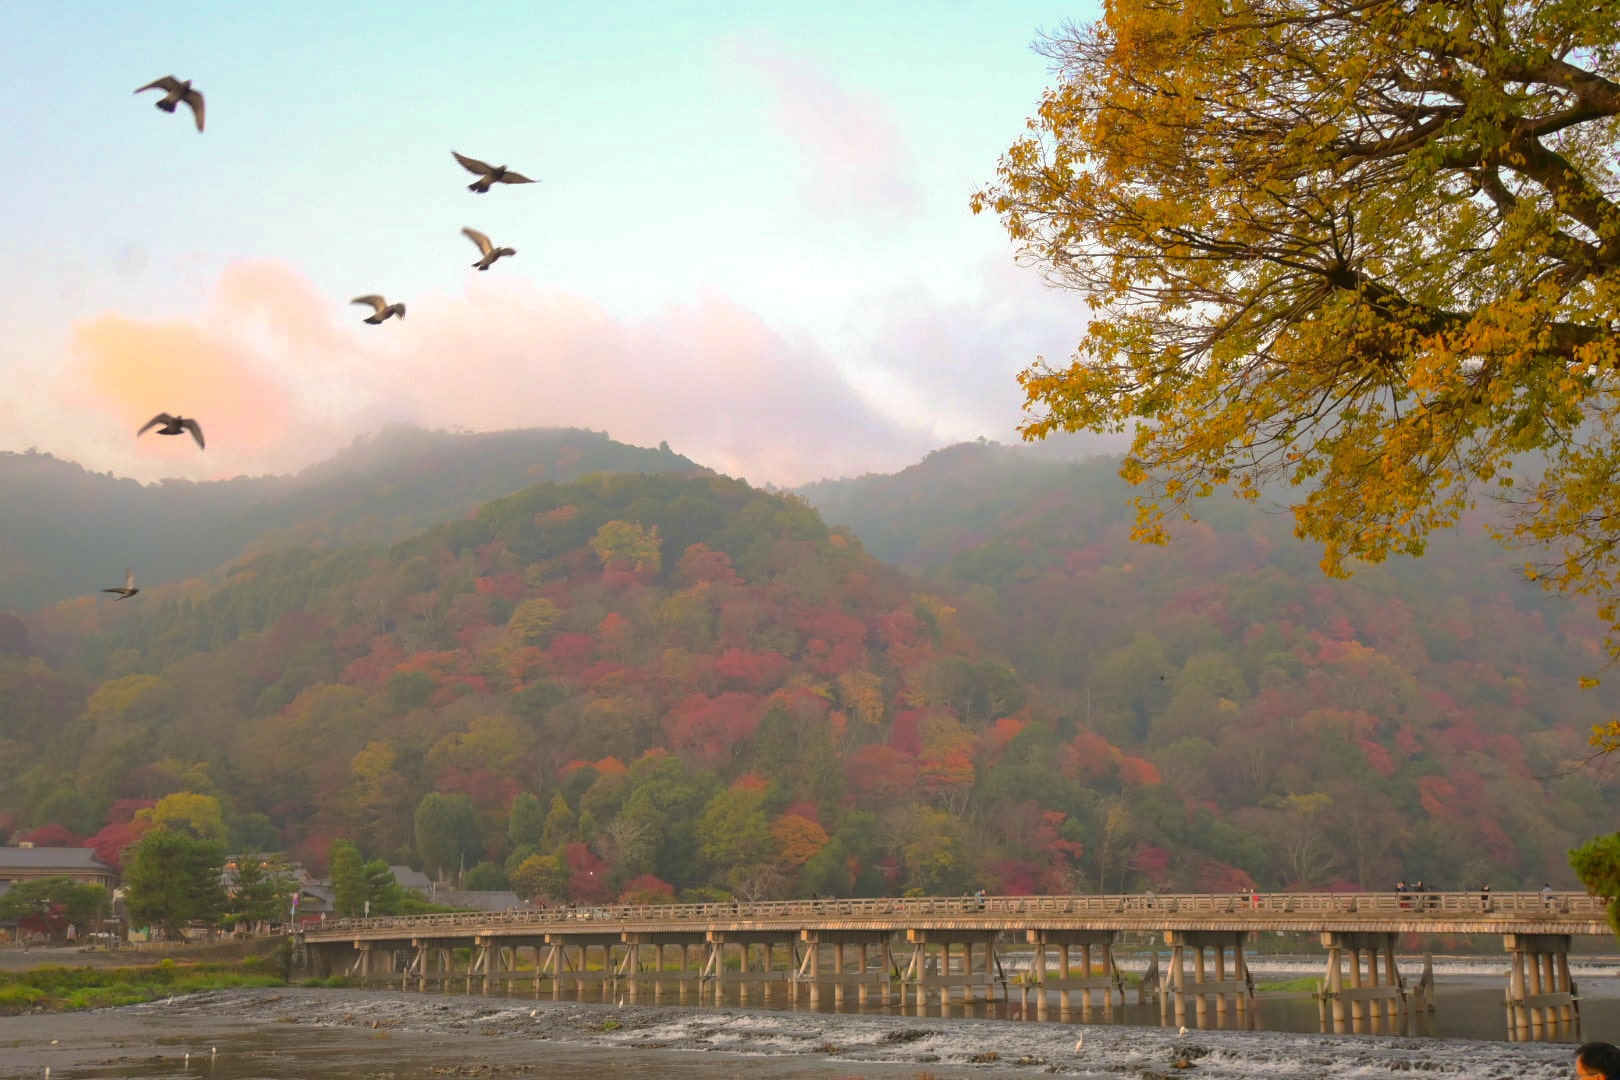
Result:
[{"x": 177, "y": 92}]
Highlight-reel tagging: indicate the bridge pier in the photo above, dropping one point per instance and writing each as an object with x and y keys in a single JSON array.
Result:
[
  {"x": 745, "y": 979},
  {"x": 1066, "y": 983},
  {"x": 1203, "y": 987},
  {"x": 1378, "y": 999},
  {"x": 863, "y": 977},
  {"x": 917, "y": 971},
  {"x": 1541, "y": 995}
]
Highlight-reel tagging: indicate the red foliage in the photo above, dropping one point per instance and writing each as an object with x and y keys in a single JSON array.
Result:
[
  {"x": 1434, "y": 792},
  {"x": 1151, "y": 861},
  {"x": 710, "y": 729},
  {"x": 995, "y": 740},
  {"x": 879, "y": 773},
  {"x": 53, "y": 835},
  {"x": 1217, "y": 877},
  {"x": 647, "y": 889},
  {"x": 1134, "y": 771},
  {"x": 123, "y": 810},
  {"x": 702, "y": 563},
  {"x": 587, "y": 874},
  {"x": 1014, "y": 877},
  {"x": 110, "y": 842},
  {"x": 758, "y": 672},
  {"x": 1379, "y": 759},
  {"x": 571, "y": 653},
  {"x": 509, "y": 585},
  {"x": 1092, "y": 757},
  {"x": 903, "y": 733},
  {"x": 750, "y": 782}
]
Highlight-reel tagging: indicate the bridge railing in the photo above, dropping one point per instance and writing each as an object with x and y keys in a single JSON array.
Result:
[{"x": 1150, "y": 907}]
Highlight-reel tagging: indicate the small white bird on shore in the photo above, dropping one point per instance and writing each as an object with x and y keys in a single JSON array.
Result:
[
  {"x": 1080, "y": 1042},
  {"x": 174, "y": 92},
  {"x": 1183, "y": 1030}
]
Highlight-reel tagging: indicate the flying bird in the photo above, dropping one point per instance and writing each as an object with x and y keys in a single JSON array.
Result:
[
  {"x": 490, "y": 251},
  {"x": 174, "y": 425},
  {"x": 380, "y": 308},
  {"x": 129, "y": 588},
  {"x": 176, "y": 91},
  {"x": 488, "y": 174}
]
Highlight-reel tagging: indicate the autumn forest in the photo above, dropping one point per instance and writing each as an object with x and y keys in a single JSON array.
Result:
[{"x": 580, "y": 670}]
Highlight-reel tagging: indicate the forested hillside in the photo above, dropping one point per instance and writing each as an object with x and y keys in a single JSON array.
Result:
[
  {"x": 68, "y": 532},
  {"x": 644, "y": 685}
]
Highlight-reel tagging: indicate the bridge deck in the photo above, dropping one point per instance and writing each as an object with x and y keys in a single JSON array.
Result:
[{"x": 1440, "y": 913}]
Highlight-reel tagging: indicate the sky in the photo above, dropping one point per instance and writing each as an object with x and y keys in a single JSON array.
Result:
[{"x": 751, "y": 238}]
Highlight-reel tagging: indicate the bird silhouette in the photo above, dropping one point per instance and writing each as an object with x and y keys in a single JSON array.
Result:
[
  {"x": 380, "y": 308},
  {"x": 176, "y": 91},
  {"x": 489, "y": 251},
  {"x": 488, "y": 174},
  {"x": 129, "y": 588},
  {"x": 174, "y": 425}
]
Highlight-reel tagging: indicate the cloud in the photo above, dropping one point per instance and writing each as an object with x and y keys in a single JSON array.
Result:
[
  {"x": 280, "y": 376},
  {"x": 852, "y": 153},
  {"x": 954, "y": 358}
]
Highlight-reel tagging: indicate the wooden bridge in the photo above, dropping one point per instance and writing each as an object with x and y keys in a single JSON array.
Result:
[{"x": 937, "y": 947}]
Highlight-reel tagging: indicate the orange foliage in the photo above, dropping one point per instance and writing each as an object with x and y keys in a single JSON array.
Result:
[{"x": 799, "y": 839}]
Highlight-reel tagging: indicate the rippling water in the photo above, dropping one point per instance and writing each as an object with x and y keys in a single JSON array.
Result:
[{"x": 393, "y": 1035}]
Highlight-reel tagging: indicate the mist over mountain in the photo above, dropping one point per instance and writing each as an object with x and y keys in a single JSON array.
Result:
[{"x": 66, "y": 528}]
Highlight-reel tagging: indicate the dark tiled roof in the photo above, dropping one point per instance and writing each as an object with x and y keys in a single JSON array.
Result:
[
  {"x": 478, "y": 900},
  {"x": 50, "y": 858}
]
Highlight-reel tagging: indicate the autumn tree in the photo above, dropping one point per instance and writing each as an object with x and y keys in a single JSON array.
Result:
[{"x": 1371, "y": 249}]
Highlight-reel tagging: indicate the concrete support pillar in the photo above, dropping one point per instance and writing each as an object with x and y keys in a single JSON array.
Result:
[{"x": 1541, "y": 995}]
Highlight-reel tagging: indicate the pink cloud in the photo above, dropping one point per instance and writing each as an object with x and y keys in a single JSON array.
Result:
[
  {"x": 852, "y": 153},
  {"x": 281, "y": 375}
]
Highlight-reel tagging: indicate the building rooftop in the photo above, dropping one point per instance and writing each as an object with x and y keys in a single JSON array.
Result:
[{"x": 51, "y": 858}]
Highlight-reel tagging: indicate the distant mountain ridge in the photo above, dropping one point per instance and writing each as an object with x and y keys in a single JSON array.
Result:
[{"x": 66, "y": 528}]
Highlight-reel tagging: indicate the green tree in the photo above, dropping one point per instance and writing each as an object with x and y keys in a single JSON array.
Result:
[
  {"x": 50, "y": 905},
  {"x": 485, "y": 877},
  {"x": 262, "y": 890},
  {"x": 1372, "y": 249},
  {"x": 734, "y": 831},
  {"x": 562, "y": 826},
  {"x": 199, "y": 816},
  {"x": 447, "y": 835},
  {"x": 1597, "y": 864},
  {"x": 172, "y": 879},
  {"x": 526, "y": 821},
  {"x": 540, "y": 876}
]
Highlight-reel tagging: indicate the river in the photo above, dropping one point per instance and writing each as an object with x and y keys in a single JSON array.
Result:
[{"x": 337, "y": 1034}]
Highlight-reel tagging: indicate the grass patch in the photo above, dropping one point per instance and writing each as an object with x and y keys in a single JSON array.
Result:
[
  {"x": 1305, "y": 983},
  {"x": 58, "y": 988}
]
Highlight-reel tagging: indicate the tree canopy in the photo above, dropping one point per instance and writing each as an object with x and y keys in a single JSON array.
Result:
[{"x": 1367, "y": 248}]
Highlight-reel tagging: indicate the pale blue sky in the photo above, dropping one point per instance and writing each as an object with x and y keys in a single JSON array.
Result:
[{"x": 771, "y": 199}]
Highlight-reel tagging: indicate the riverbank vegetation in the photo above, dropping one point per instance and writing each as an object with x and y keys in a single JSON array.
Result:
[{"x": 59, "y": 988}]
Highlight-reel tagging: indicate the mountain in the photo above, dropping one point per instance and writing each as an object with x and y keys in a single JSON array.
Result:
[
  {"x": 649, "y": 684},
  {"x": 68, "y": 532}
]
